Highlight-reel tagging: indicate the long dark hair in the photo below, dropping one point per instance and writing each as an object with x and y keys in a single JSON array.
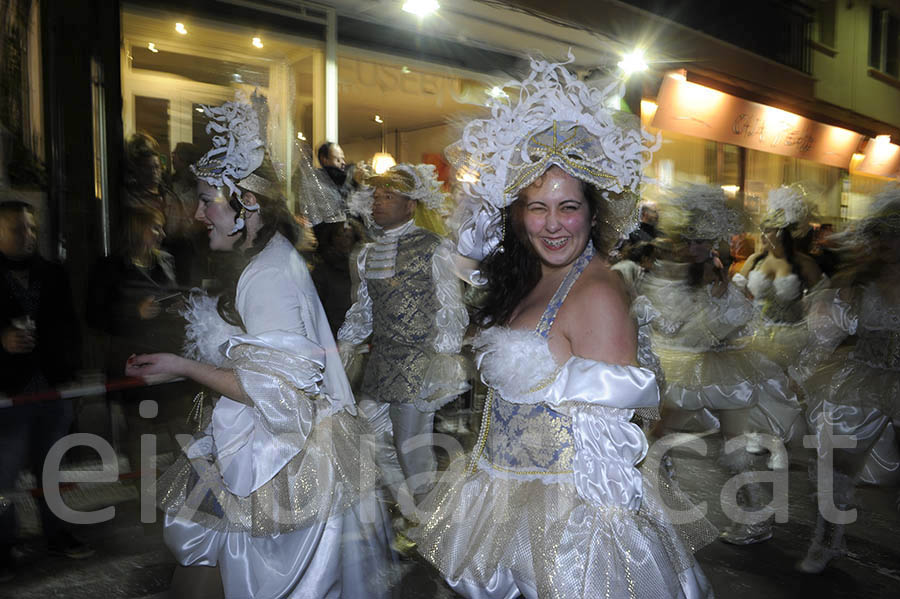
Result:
[
  {"x": 787, "y": 244},
  {"x": 513, "y": 269},
  {"x": 276, "y": 218}
]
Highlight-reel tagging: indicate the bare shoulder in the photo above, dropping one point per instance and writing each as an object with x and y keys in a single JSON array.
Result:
[{"x": 597, "y": 319}]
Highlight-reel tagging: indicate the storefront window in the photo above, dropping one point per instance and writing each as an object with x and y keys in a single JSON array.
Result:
[
  {"x": 766, "y": 172},
  {"x": 169, "y": 71},
  {"x": 416, "y": 104}
]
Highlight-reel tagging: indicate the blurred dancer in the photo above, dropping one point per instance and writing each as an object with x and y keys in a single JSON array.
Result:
[
  {"x": 699, "y": 321},
  {"x": 777, "y": 279},
  {"x": 271, "y": 490},
  {"x": 854, "y": 391}
]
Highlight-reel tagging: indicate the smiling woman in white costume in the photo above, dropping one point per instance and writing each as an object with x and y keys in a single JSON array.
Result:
[
  {"x": 270, "y": 491},
  {"x": 551, "y": 503}
]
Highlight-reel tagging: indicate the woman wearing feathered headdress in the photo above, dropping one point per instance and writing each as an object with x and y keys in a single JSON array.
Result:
[
  {"x": 272, "y": 489},
  {"x": 551, "y": 503}
]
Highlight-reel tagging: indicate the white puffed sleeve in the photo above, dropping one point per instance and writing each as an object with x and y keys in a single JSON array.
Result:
[
  {"x": 447, "y": 373},
  {"x": 832, "y": 317},
  {"x": 282, "y": 371},
  {"x": 358, "y": 322}
]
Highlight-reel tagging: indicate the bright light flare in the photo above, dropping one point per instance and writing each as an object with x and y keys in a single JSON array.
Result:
[
  {"x": 257, "y": 43},
  {"x": 180, "y": 28},
  {"x": 379, "y": 120},
  {"x": 152, "y": 47},
  {"x": 421, "y": 8},
  {"x": 633, "y": 62},
  {"x": 382, "y": 162},
  {"x": 300, "y": 136}
]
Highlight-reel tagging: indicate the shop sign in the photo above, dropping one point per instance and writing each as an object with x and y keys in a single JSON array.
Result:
[
  {"x": 700, "y": 111},
  {"x": 882, "y": 158}
]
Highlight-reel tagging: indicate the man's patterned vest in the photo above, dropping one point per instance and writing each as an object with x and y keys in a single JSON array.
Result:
[{"x": 403, "y": 311}]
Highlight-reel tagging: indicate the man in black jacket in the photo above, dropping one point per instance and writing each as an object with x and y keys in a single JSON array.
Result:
[{"x": 39, "y": 351}]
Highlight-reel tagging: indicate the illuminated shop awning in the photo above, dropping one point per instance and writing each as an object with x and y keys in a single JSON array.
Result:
[{"x": 703, "y": 112}]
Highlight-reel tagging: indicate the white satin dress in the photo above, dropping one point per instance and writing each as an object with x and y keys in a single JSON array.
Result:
[
  {"x": 855, "y": 391},
  {"x": 277, "y": 492},
  {"x": 710, "y": 365},
  {"x": 551, "y": 503}
]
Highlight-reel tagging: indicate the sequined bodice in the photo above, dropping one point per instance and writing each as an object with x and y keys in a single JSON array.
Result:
[{"x": 525, "y": 439}]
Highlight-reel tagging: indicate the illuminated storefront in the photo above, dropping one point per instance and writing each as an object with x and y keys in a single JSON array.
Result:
[{"x": 750, "y": 148}]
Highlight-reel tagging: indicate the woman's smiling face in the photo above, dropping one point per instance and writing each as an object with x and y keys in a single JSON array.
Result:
[
  {"x": 214, "y": 211},
  {"x": 556, "y": 218}
]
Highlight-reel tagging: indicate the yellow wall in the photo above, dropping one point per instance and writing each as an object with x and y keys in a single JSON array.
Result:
[{"x": 843, "y": 79}]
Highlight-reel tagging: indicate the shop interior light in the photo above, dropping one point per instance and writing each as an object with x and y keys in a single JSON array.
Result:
[
  {"x": 633, "y": 62},
  {"x": 152, "y": 47},
  {"x": 405, "y": 70},
  {"x": 882, "y": 139},
  {"x": 421, "y": 8},
  {"x": 858, "y": 156},
  {"x": 199, "y": 109},
  {"x": 497, "y": 92},
  {"x": 679, "y": 75},
  {"x": 379, "y": 120},
  {"x": 180, "y": 28},
  {"x": 381, "y": 162},
  {"x": 257, "y": 43},
  {"x": 731, "y": 189},
  {"x": 300, "y": 136}
]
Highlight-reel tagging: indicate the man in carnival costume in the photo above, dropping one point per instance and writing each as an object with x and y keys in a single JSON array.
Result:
[{"x": 410, "y": 303}]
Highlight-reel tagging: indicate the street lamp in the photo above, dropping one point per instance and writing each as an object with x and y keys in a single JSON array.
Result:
[
  {"x": 421, "y": 8},
  {"x": 633, "y": 62}
]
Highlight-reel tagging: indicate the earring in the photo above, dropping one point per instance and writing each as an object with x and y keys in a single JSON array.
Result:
[{"x": 502, "y": 249}]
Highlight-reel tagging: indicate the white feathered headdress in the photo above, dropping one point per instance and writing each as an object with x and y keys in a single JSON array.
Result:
[{"x": 555, "y": 120}]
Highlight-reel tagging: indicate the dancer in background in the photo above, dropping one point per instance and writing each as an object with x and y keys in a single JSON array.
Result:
[
  {"x": 853, "y": 389},
  {"x": 551, "y": 503},
  {"x": 270, "y": 491},
  {"x": 699, "y": 324},
  {"x": 409, "y": 303}
]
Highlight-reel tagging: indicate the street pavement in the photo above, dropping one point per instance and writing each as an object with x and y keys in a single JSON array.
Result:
[{"x": 132, "y": 562}]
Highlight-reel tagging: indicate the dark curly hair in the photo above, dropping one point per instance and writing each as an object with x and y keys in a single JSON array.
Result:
[
  {"x": 276, "y": 218},
  {"x": 513, "y": 272}
]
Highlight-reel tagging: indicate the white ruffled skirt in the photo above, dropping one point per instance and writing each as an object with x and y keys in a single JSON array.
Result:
[{"x": 496, "y": 537}]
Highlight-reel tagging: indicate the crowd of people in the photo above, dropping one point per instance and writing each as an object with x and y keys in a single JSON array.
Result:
[{"x": 585, "y": 325}]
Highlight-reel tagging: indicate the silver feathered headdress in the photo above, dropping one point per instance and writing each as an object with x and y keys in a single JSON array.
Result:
[
  {"x": 555, "y": 120},
  {"x": 695, "y": 211},
  {"x": 238, "y": 150},
  {"x": 789, "y": 206}
]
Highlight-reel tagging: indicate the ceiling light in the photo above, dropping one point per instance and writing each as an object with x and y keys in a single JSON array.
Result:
[
  {"x": 421, "y": 8},
  {"x": 882, "y": 139},
  {"x": 257, "y": 43},
  {"x": 300, "y": 136},
  {"x": 633, "y": 62},
  {"x": 180, "y": 28},
  {"x": 382, "y": 162},
  {"x": 379, "y": 120},
  {"x": 405, "y": 70},
  {"x": 152, "y": 47}
]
